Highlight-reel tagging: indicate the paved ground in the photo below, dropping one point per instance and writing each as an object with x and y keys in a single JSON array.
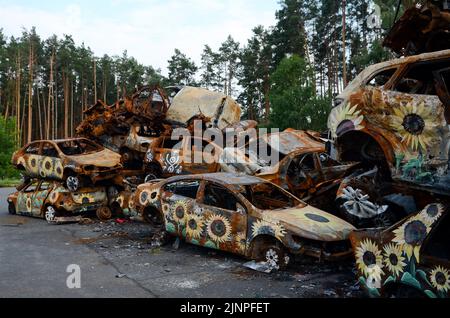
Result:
[{"x": 120, "y": 261}]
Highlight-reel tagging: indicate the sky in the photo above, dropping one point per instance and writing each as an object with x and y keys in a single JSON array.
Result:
[{"x": 149, "y": 30}]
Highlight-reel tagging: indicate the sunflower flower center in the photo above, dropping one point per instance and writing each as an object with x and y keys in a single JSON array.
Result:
[
  {"x": 415, "y": 233},
  {"x": 393, "y": 259},
  {"x": 369, "y": 258},
  {"x": 441, "y": 279},
  {"x": 432, "y": 210},
  {"x": 179, "y": 212},
  {"x": 414, "y": 124},
  {"x": 218, "y": 228},
  {"x": 192, "y": 224}
]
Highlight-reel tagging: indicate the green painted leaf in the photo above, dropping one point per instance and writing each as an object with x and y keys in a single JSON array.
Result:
[
  {"x": 424, "y": 276},
  {"x": 411, "y": 281},
  {"x": 389, "y": 280},
  {"x": 362, "y": 281},
  {"x": 373, "y": 292},
  {"x": 430, "y": 294}
]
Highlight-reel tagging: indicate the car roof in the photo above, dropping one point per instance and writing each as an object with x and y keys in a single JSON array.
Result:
[{"x": 222, "y": 178}]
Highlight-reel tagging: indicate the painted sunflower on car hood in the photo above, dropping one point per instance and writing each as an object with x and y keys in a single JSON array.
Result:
[{"x": 311, "y": 223}]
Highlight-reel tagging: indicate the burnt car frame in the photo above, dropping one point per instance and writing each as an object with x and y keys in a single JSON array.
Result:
[
  {"x": 77, "y": 162},
  {"x": 395, "y": 116},
  {"x": 167, "y": 157},
  {"x": 244, "y": 215},
  {"x": 52, "y": 201},
  {"x": 409, "y": 259},
  {"x": 304, "y": 168}
]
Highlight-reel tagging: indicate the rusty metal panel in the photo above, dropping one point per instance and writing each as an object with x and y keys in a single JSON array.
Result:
[{"x": 190, "y": 101}]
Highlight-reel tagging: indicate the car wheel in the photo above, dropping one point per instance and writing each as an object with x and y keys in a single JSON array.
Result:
[
  {"x": 12, "y": 208},
  {"x": 73, "y": 183},
  {"x": 275, "y": 256},
  {"x": 50, "y": 215},
  {"x": 104, "y": 213},
  {"x": 154, "y": 217}
]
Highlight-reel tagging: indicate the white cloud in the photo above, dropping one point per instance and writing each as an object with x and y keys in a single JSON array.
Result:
[{"x": 150, "y": 30}]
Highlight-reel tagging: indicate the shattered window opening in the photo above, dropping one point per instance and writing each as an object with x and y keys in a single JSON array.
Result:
[
  {"x": 266, "y": 196},
  {"x": 186, "y": 189},
  {"x": 382, "y": 78},
  {"x": 419, "y": 79},
  {"x": 78, "y": 147},
  {"x": 220, "y": 197},
  {"x": 32, "y": 149}
]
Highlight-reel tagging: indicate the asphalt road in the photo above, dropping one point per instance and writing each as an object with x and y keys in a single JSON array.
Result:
[{"x": 121, "y": 260}]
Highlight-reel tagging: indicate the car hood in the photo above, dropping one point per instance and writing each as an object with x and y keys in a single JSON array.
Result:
[
  {"x": 105, "y": 158},
  {"x": 312, "y": 223}
]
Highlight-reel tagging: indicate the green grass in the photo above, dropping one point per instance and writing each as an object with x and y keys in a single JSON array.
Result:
[{"x": 9, "y": 183}]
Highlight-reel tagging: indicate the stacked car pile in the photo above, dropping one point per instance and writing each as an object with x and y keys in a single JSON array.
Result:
[{"x": 386, "y": 168}]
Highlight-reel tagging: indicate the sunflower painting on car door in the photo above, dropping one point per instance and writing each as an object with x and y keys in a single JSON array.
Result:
[
  {"x": 177, "y": 199},
  {"x": 218, "y": 220}
]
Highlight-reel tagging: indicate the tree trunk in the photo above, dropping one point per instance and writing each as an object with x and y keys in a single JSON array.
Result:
[
  {"x": 344, "y": 46},
  {"x": 18, "y": 131},
  {"x": 30, "y": 95}
]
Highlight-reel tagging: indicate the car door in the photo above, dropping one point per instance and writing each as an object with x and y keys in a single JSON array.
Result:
[
  {"x": 177, "y": 199},
  {"x": 25, "y": 199},
  {"x": 223, "y": 217},
  {"x": 51, "y": 165},
  {"x": 39, "y": 196}
]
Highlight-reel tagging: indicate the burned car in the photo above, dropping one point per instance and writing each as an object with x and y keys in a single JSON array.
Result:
[
  {"x": 410, "y": 259},
  {"x": 76, "y": 162},
  {"x": 52, "y": 201},
  {"x": 242, "y": 214},
  {"x": 302, "y": 164},
  {"x": 395, "y": 116},
  {"x": 167, "y": 157}
]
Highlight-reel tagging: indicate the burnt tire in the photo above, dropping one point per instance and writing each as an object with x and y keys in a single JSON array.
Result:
[
  {"x": 104, "y": 213},
  {"x": 11, "y": 208},
  {"x": 275, "y": 255}
]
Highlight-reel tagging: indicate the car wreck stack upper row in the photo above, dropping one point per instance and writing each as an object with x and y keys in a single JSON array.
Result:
[{"x": 376, "y": 185}]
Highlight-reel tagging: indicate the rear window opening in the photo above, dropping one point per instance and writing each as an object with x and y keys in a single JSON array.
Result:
[{"x": 78, "y": 147}]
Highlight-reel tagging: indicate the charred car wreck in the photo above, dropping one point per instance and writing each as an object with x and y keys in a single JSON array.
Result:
[{"x": 242, "y": 214}]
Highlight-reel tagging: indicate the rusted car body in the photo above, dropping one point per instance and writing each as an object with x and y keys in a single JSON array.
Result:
[
  {"x": 77, "y": 162},
  {"x": 242, "y": 214},
  {"x": 410, "y": 259},
  {"x": 52, "y": 201},
  {"x": 187, "y": 155},
  {"x": 304, "y": 168},
  {"x": 222, "y": 110},
  {"x": 421, "y": 29},
  {"x": 395, "y": 115}
]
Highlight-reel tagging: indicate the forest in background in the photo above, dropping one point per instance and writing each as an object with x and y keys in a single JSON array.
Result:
[{"x": 284, "y": 76}]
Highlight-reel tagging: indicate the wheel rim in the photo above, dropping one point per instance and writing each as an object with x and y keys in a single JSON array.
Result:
[
  {"x": 273, "y": 258},
  {"x": 72, "y": 183},
  {"x": 50, "y": 214}
]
